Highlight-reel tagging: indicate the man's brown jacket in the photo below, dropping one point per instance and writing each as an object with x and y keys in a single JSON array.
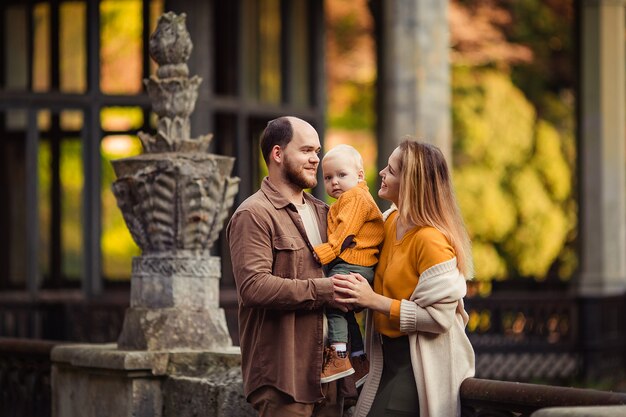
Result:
[{"x": 281, "y": 292}]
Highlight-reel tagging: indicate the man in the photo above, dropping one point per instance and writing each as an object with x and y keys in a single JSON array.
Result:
[{"x": 281, "y": 287}]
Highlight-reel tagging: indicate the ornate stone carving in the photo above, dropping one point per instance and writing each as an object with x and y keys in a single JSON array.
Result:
[
  {"x": 174, "y": 199},
  {"x": 197, "y": 266},
  {"x": 177, "y": 195}
]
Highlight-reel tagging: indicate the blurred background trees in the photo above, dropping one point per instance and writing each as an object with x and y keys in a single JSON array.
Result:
[
  {"x": 514, "y": 141},
  {"x": 513, "y": 107}
]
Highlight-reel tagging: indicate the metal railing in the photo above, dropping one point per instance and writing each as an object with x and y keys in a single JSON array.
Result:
[
  {"x": 69, "y": 317},
  {"x": 552, "y": 337},
  {"x": 483, "y": 397}
]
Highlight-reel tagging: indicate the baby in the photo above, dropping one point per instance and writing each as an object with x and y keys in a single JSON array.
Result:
[{"x": 355, "y": 231}]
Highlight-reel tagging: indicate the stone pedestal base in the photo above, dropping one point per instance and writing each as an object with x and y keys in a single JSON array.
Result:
[
  {"x": 171, "y": 328},
  {"x": 99, "y": 380},
  {"x": 174, "y": 304}
]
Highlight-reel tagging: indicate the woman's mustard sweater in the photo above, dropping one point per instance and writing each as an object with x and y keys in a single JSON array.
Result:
[{"x": 401, "y": 264}]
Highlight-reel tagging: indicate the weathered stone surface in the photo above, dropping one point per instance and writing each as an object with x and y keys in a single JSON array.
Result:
[
  {"x": 173, "y": 328},
  {"x": 102, "y": 388},
  {"x": 186, "y": 282},
  {"x": 220, "y": 396},
  {"x": 175, "y": 303},
  {"x": 180, "y": 263},
  {"x": 102, "y": 381},
  {"x": 189, "y": 292},
  {"x": 170, "y": 45},
  {"x": 109, "y": 357},
  {"x": 606, "y": 411},
  {"x": 175, "y": 202},
  {"x": 203, "y": 363},
  {"x": 205, "y": 384}
]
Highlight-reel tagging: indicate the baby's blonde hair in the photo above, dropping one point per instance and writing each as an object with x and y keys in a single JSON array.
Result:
[{"x": 349, "y": 151}]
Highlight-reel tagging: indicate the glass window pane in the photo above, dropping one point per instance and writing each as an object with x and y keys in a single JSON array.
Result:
[
  {"x": 13, "y": 216},
  {"x": 16, "y": 120},
  {"x": 269, "y": 51},
  {"x": 225, "y": 38},
  {"x": 72, "y": 181},
  {"x": 121, "y": 46},
  {"x": 262, "y": 26},
  {"x": 119, "y": 119},
  {"x": 299, "y": 64},
  {"x": 250, "y": 27},
  {"x": 72, "y": 47},
  {"x": 45, "y": 212},
  {"x": 59, "y": 208},
  {"x": 43, "y": 120},
  {"x": 16, "y": 50},
  {"x": 41, "y": 47},
  {"x": 71, "y": 120},
  {"x": 118, "y": 247}
]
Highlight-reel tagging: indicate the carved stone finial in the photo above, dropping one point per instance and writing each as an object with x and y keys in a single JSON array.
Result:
[
  {"x": 170, "y": 46},
  {"x": 177, "y": 195},
  {"x": 172, "y": 93}
]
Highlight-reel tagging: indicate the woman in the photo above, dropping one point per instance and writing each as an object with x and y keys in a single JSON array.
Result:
[{"x": 419, "y": 353}]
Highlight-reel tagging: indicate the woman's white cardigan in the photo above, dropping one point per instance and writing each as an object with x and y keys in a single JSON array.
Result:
[{"x": 441, "y": 354}]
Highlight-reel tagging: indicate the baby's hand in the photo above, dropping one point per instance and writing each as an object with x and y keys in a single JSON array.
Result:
[{"x": 348, "y": 242}]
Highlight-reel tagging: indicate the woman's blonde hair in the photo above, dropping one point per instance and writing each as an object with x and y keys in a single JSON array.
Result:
[{"x": 427, "y": 198}]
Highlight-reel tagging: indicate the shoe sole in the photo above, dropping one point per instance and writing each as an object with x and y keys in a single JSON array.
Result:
[
  {"x": 337, "y": 376},
  {"x": 360, "y": 381}
]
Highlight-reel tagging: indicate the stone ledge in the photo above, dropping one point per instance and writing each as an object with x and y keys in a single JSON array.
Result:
[
  {"x": 606, "y": 411},
  {"x": 89, "y": 380},
  {"x": 176, "y": 362},
  {"x": 174, "y": 329},
  {"x": 109, "y": 357},
  {"x": 203, "y": 363}
]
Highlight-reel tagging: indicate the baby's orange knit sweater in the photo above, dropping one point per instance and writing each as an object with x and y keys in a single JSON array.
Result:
[{"x": 354, "y": 213}]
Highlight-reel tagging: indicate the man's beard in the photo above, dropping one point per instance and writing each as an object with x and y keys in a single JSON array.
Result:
[{"x": 296, "y": 176}]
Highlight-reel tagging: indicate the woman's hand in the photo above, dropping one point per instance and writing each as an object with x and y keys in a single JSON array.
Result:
[{"x": 355, "y": 290}]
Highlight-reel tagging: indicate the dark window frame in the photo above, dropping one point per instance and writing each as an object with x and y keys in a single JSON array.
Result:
[{"x": 245, "y": 117}]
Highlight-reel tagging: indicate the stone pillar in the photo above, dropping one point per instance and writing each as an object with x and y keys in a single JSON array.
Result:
[
  {"x": 414, "y": 74},
  {"x": 602, "y": 152},
  {"x": 601, "y": 283}
]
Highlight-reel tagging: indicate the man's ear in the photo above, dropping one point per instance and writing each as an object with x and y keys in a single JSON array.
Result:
[{"x": 276, "y": 154}]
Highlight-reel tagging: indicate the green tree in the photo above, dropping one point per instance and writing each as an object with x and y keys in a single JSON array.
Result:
[{"x": 512, "y": 178}]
